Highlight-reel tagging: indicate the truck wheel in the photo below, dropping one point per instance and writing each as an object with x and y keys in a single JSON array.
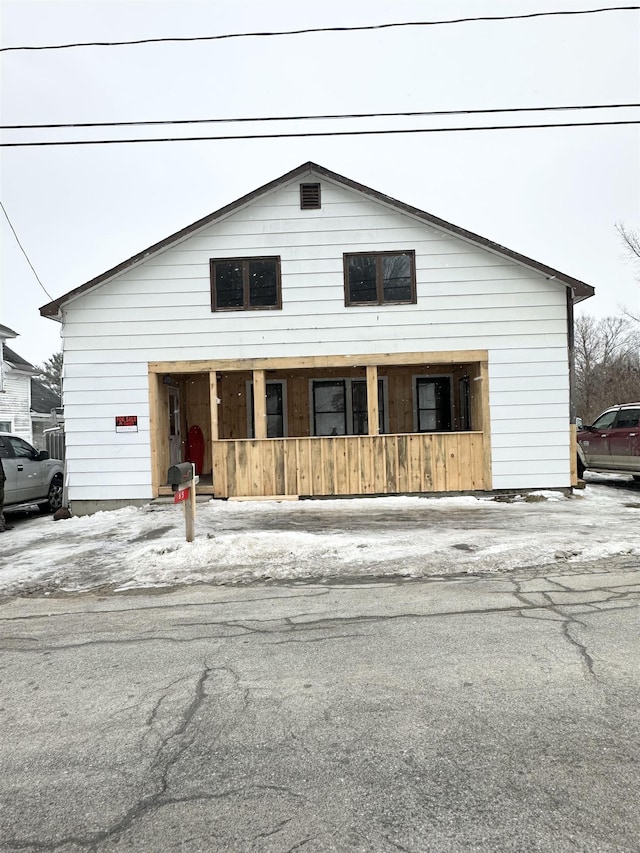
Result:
[
  {"x": 580, "y": 468},
  {"x": 54, "y": 496}
]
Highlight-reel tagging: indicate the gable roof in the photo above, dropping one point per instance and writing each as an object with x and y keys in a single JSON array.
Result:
[
  {"x": 43, "y": 399},
  {"x": 579, "y": 289},
  {"x": 16, "y": 361}
]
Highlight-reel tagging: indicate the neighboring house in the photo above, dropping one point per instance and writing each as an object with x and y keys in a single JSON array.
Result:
[
  {"x": 326, "y": 339},
  {"x": 27, "y": 407},
  {"x": 15, "y": 390},
  {"x": 6, "y": 334}
]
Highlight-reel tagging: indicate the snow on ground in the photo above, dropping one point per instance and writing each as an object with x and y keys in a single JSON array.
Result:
[{"x": 244, "y": 541}]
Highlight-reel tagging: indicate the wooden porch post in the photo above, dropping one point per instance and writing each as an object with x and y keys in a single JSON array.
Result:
[
  {"x": 372, "y": 399},
  {"x": 486, "y": 426},
  {"x": 154, "y": 431},
  {"x": 214, "y": 426},
  {"x": 213, "y": 404},
  {"x": 260, "y": 403}
]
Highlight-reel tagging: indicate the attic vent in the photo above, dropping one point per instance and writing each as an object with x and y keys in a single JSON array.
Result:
[{"x": 309, "y": 196}]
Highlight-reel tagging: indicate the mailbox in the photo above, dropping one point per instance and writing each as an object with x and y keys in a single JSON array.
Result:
[{"x": 180, "y": 474}]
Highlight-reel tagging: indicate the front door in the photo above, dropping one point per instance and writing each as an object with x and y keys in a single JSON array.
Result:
[{"x": 175, "y": 437}]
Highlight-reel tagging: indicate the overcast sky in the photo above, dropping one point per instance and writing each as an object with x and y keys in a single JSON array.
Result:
[{"x": 554, "y": 195}]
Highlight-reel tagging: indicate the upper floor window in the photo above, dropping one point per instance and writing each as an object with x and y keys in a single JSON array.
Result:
[
  {"x": 243, "y": 284},
  {"x": 380, "y": 278}
]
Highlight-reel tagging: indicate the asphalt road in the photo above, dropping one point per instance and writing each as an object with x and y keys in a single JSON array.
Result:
[{"x": 484, "y": 714}]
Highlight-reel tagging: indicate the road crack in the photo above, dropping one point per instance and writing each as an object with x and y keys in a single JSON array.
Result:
[{"x": 169, "y": 752}]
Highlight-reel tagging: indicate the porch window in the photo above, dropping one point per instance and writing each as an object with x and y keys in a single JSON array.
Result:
[
  {"x": 340, "y": 407},
  {"x": 380, "y": 278},
  {"x": 244, "y": 284},
  {"x": 276, "y": 404},
  {"x": 433, "y": 404},
  {"x": 359, "y": 411},
  {"x": 329, "y": 407},
  {"x": 464, "y": 393}
]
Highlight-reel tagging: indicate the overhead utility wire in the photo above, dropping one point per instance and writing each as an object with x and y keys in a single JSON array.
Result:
[
  {"x": 318, "y": 133},
  {"x": 314, "y": 117},
  {"x": 24, "y": 253},
  {"x": 308, "y": 30}
]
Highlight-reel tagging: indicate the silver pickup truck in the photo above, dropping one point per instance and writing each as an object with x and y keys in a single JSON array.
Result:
[
  {"x": 612, "y": 442},
  {"x": 31, "y": 477}
]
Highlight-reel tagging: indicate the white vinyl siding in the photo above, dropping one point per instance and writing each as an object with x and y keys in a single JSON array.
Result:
[
  {"x": 101, "y": 463},
  {"x": 15, "y": 402},
  {"x": 467, "y": 298}
]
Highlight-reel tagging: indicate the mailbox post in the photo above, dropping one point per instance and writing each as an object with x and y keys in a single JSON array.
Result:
[{"x": 182, "y": 479}]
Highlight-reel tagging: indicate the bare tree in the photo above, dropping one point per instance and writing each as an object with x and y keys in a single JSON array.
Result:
[
  {"x": 631, "y": 242},
  {"x": 607, "y": 363}
]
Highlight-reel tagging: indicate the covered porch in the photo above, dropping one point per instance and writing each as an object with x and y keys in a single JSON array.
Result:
[{"x": 325, "y": 425}]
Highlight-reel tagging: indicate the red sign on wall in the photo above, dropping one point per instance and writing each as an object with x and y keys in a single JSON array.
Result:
[
  {"x": 181, "y": 495},
  {"x": 126, "y": 423}
]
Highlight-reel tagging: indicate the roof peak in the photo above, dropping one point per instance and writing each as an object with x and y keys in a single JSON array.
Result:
[{"x": 579, "y": 288}]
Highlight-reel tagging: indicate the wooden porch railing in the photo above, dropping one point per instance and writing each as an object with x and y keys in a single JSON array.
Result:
[{"x": 349, "y": 465}]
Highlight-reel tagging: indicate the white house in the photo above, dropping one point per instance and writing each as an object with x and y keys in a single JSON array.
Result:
[
  {"x": 27, "y": 407},
  {"x": 15, "y": 389},
  {"x": 316, "y": 337}
]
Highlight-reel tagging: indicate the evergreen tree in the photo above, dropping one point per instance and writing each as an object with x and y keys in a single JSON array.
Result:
[{"x": 51, "y": 373}]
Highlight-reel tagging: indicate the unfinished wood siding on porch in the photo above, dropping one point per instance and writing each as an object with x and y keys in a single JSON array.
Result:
[{"x": 350, "y": 465}]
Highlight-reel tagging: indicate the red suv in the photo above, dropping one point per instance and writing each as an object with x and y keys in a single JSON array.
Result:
[{"x": 612, "y": 442}]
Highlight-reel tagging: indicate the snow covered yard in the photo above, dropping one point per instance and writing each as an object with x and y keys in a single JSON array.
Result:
[{"x": 244, "y": 541}]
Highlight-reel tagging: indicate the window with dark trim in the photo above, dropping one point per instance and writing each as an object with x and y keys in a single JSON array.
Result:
[
  {"x": 329, "y": 407},
  {"x": 275, "y": 405},
  {"x": 359, "y": 407},
  {"x": 245, "y": 284},
  {"x": 433, "y": 404},
  {"x": 464, "y": 393},
  {"x": 340, "y": 407},
  {"x": 380, "y": 278}
]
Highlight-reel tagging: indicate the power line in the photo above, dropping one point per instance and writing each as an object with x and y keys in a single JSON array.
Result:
[
  {"x": 319, "y": 133},
  {"x": 419, "y": 113},
  {"x": 24, "y": 253},
  {"x": 309, "y": 30}
]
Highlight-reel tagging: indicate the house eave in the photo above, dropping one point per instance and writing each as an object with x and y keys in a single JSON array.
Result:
[
  {"x": 6, "y": 333},
  {"x": 25, "y": 371}
]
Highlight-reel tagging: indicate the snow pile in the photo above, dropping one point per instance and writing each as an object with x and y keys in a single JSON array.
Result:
[{"x": 245, "y": 541}]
